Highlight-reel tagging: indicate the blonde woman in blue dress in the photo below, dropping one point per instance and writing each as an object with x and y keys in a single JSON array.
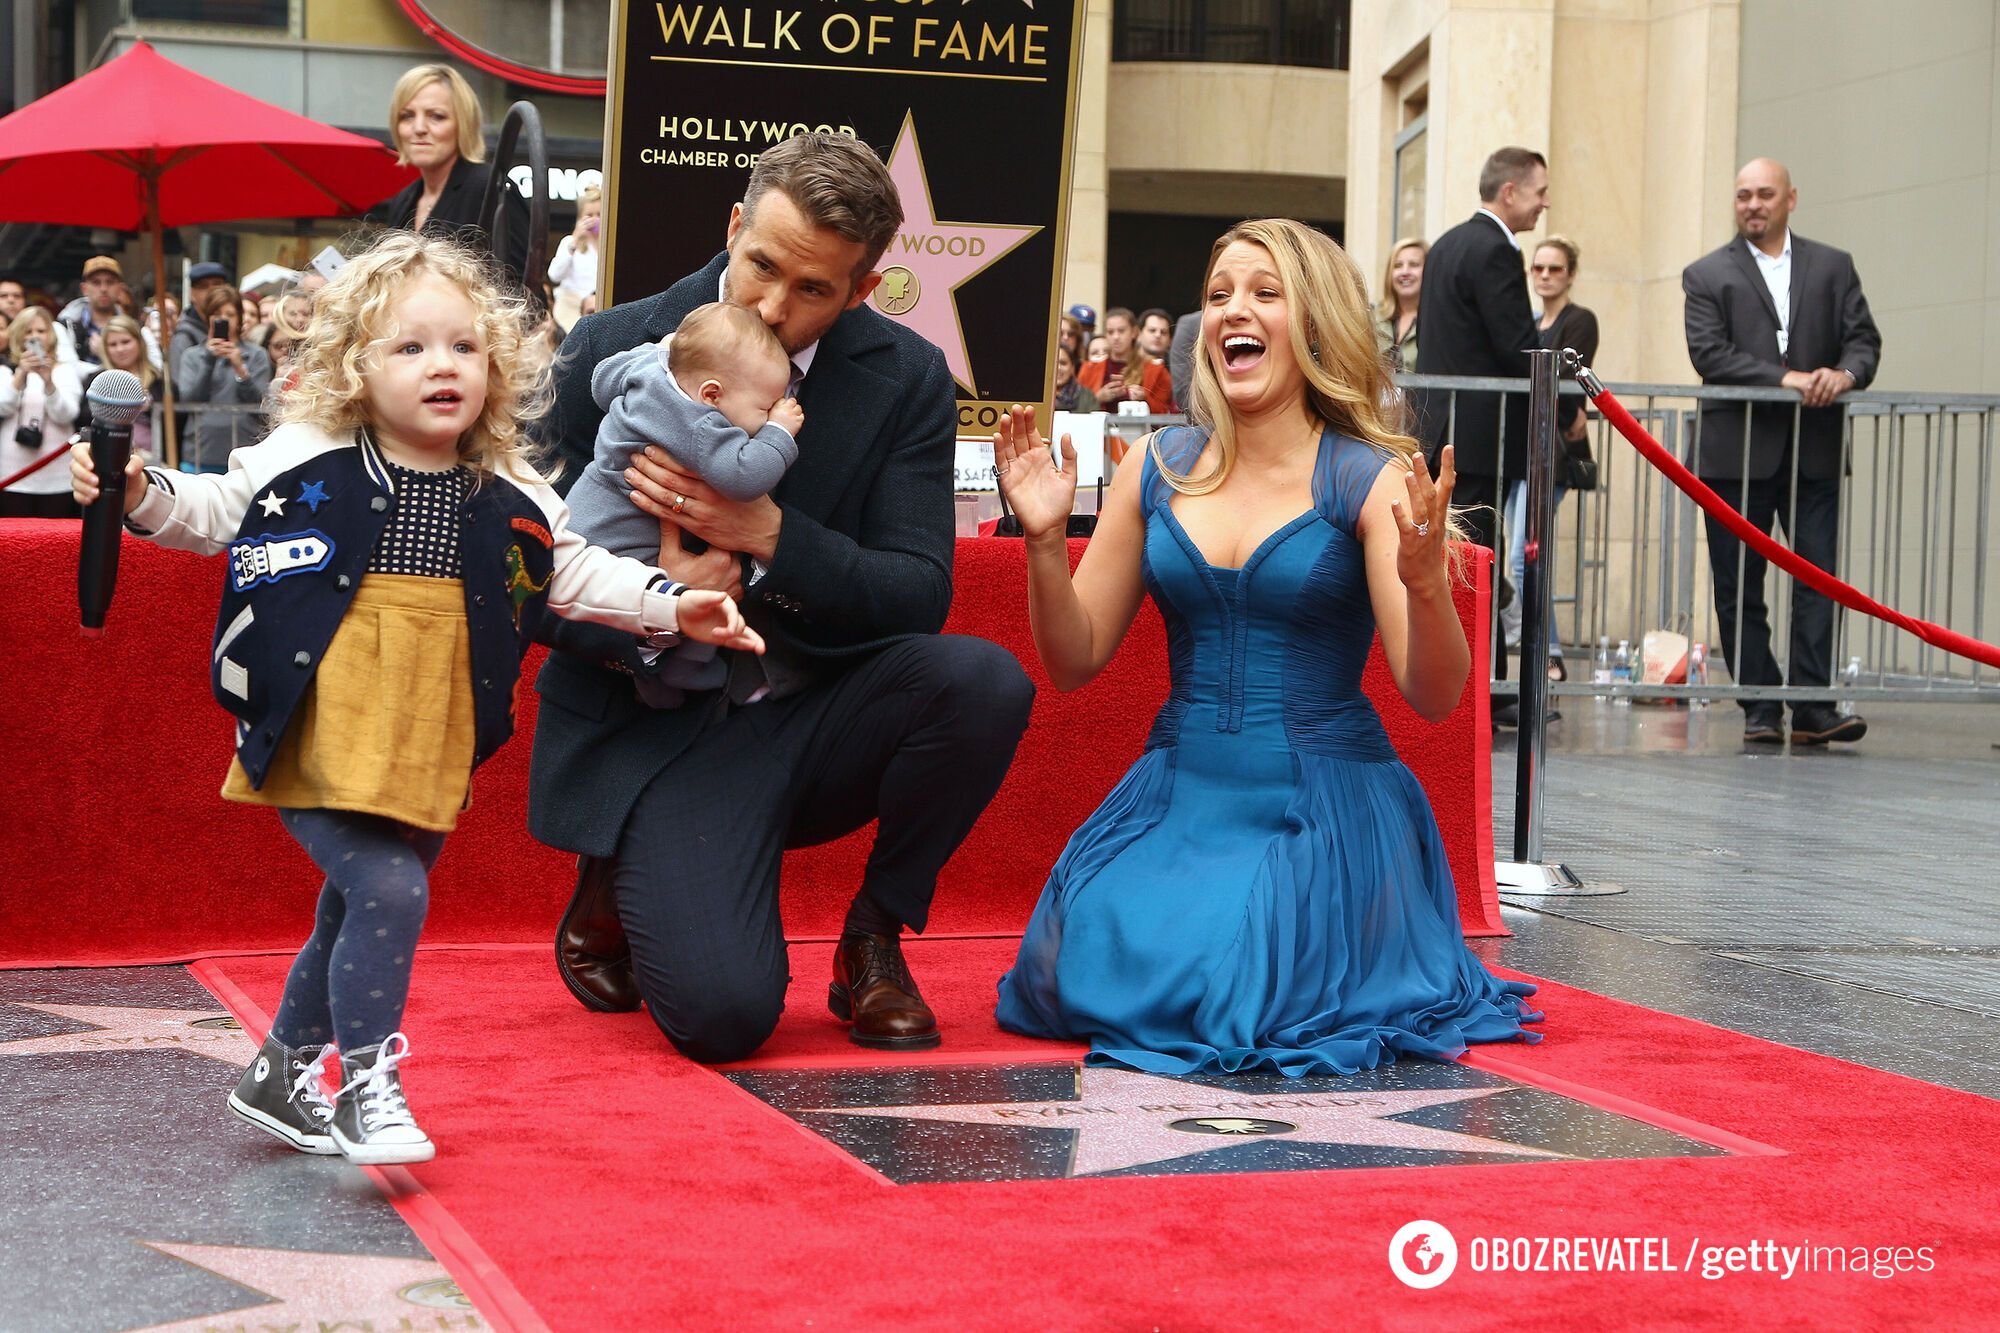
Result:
[{"x": 1266, "y": 887}]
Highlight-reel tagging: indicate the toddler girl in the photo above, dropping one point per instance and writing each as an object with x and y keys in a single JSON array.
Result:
[{"x": 391, "y": 551}]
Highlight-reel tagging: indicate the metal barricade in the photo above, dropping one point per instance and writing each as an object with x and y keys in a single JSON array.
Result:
[
  {"x": 209, "y": 431},
  {"x": 1916, "y": 512}
]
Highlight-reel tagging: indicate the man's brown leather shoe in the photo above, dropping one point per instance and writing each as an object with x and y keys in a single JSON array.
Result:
[
  {"x": 873, "y": 990},
  {"x": 592, "y": 956}
]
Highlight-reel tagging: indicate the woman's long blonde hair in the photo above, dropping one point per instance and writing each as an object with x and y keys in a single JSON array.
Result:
[
  {"x": 1326, "y": 310},
  {"x": 351, "y": 322}
]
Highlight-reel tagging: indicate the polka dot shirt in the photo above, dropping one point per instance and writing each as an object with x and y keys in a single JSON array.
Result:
[{"x": 422, "y": 536}]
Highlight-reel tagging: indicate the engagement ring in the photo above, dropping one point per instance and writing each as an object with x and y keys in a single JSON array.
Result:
[
  {"x": 680, "y": 502},
  {"x": 1424, "y": 529}
]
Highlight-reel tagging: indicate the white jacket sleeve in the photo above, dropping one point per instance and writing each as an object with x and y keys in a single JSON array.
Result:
[
  {"x": 203, "y": 512},
  {"x": 590, "y": 583}
]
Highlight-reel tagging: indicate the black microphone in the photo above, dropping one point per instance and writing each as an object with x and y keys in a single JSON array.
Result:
[{"x": 116, "y": 398}]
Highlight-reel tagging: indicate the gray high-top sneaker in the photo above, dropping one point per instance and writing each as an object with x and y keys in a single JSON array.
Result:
[
  {"x": 372, "y": 1125},
  {"x": 281, "y": 1094}
]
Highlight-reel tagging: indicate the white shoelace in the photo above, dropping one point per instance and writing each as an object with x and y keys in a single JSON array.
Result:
[
  {"x": 308, "y": 1086},
  {"x": 382, "y": 1104}
]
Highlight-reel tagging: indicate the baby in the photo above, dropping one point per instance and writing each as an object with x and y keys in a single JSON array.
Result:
[{"x": 712, "y": 394}]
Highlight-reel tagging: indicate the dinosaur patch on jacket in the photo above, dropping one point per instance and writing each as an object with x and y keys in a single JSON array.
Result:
[
  {"x": 519, "y": 586},
  {"x": 535, "y": 530}
]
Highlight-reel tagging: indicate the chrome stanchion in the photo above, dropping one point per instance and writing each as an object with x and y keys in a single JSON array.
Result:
[{"x": 1527, "y": 875}]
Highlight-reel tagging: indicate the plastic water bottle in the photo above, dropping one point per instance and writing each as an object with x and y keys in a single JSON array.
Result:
[
  {"x": 1698, "y": 674},
  {"x": 1600, "y": 665},
  {"x": 1850, "y": 680},
  {"x": 1621, "y": 669}
]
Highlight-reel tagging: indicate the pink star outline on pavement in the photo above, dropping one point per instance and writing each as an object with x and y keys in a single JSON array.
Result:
[
  {"x": 308, "y": 1289},
  {"x": 924, "y": 245},
  {"x": 122, "y": 1028},
  {"x": 1124, "y": 1119}
]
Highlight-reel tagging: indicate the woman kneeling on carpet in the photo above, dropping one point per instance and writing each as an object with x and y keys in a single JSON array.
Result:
[
  {"x": 391, "y": 551},
  {"x": 1266, "y": 887}
]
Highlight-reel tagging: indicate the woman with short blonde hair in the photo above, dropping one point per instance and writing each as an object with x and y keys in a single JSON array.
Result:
[{"x": 437, "y": 126}]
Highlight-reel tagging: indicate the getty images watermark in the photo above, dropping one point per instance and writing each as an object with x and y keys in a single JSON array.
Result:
[{"x": 1424, "y": 1254}]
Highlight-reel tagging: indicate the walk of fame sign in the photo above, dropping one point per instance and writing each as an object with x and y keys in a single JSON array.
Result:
[
  {"x": 1065, "y": 1121},
  {"x": 970, "y": 102}
]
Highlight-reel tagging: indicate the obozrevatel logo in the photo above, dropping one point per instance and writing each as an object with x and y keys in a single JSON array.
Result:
[{"x": 1422, "y": 1254}]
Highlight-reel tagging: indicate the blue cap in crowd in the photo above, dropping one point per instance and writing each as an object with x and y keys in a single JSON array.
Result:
[
  {"x": 1084, "y": 315},
  {"x": 207, "y": 269}
]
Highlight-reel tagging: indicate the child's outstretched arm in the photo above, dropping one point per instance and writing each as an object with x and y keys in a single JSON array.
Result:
[
  {"x": 189, "y": 511},
  {"x": 713, "y": 617},
  {"x": 590, "y": 583}
]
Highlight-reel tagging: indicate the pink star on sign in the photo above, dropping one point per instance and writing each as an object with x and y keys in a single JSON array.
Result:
[{"x": 940, "y": 256}]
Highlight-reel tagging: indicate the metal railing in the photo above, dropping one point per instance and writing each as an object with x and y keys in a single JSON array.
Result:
[{"x": 1916, "y": 513}]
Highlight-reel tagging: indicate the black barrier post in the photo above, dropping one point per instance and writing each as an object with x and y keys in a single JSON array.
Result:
[
  {"x": 1527, "y": 874},
  {"x": 522, "y": 116}
]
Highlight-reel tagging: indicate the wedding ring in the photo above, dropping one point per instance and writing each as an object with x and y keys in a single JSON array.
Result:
[
  {"x": 1424, "y": 528},
  {"x": 680, "y": 502}
]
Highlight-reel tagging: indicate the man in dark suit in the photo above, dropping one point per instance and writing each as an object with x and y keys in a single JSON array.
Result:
[
  {"x": 1774, "y": 308},
  {"x": 1476, "y": 320},
  {"x": 861, "y": 711}
]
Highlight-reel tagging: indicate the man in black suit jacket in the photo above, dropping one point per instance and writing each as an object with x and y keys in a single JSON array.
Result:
[
  {"x": 861, "y": 711},
  {"x": 1824, "y": 344},
  {"x": 1476, "y": 320}
]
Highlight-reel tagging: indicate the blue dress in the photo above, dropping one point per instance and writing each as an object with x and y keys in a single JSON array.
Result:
[{"x": 1266, "y": 888}]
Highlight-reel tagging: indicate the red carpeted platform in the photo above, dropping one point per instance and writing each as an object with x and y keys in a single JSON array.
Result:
[
  {"x": 117, "y": 848},
  {"x": 614, "y": 1186}
]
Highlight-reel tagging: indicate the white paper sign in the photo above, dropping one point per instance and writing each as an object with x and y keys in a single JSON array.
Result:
[
  {"x": 1086, "y": 436},
  {"x": 974, "y": 465}
]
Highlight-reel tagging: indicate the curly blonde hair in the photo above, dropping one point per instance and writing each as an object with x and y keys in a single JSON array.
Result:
[
  {"x": 352, "y": 320},
  {"x": 1347, "y": 383}
]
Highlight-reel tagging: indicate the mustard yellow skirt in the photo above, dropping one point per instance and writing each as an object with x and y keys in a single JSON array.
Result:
[{"x": 386, "y": 727}]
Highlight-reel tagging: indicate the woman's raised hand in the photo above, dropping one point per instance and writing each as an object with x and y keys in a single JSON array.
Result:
[
  {"x": 1423, "y": 521},
  {"x": 1041, "y": 493}
]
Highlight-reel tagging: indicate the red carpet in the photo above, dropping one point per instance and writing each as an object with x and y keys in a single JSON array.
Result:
[
  {"x": 616, "y": 1185},
  {"x": 118, "y": 849}
]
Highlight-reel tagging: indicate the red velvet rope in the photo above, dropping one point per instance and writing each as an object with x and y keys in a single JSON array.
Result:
[{"x": 1804, "y": 570}]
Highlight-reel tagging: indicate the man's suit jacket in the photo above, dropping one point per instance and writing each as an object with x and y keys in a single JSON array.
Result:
[
  {"x": 456, "y": 214},
  {"x": 1476, "y": 320},
  {"x": 1732, "y": 336},
  {"x": 864, "y": 554},
  {"x": 1180, "y": 358}
]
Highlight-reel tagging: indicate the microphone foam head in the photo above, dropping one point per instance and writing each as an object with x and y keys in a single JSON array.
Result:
[{"x": 116, "y": 397}]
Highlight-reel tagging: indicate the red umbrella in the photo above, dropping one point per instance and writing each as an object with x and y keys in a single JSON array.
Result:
[{"x": 143, "y": 143}]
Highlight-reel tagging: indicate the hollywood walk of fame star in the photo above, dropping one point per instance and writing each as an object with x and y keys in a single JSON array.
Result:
[
  {"x": 122, "y": 1028},
  {"x": 924, "y": 245},
  {"x": 325, "y": 1291},
  {"x": 1124, "y": 1119}
]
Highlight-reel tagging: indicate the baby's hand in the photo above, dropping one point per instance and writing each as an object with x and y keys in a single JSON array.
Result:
[
  {"x": 83, "y": 487},
  {"x": 711, "y": 617},
  {"x": 787, "y": 413}
]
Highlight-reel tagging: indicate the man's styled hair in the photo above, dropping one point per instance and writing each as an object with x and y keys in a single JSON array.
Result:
[
  {"x": 1150, "y": 312},
  {"x": 838, "y": 183},
  {"x": 1119, "y": 312},
  {"x": 720, "y": 337},
  {"x": 1505, "y": 166}
]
